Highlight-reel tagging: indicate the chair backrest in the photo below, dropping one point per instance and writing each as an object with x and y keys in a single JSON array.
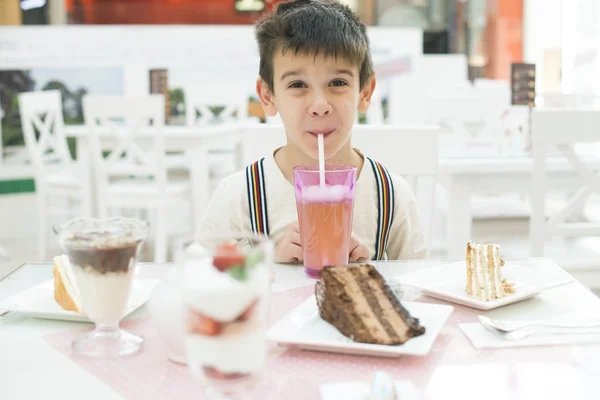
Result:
[
  {"x": 409, "y": 151},
  {"x": 260, "y": 141},
  {"x": 126, "y": 120},
  {"x": 43, "y": 130},
  {"x": 209, "y": 104},
  {"x": 561, "y": 129}
]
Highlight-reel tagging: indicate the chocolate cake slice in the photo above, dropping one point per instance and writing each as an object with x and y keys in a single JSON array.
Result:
[{"x": 360, "y": 304}]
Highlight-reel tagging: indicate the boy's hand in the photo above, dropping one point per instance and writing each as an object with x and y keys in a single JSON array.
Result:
[
  {"x": 289, "y": 248},
  {"x": 358, "y": 252}
]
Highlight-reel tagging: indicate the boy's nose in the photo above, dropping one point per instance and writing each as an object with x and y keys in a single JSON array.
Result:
[{"x": 319, "y": 107}]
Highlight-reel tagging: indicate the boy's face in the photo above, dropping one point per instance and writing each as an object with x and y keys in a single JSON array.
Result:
[{"x": 315, "y": 95}]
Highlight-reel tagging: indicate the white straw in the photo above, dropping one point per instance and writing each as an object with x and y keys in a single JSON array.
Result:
[{"x": 321, "y": 160}]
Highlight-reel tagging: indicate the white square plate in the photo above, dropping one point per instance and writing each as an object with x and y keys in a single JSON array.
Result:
[
  {"x": 303, "y": 328},
  {"x": 38, "y": 301},
  {"x": 448, "y": 282},
  {"x": 454, "y": 291}
]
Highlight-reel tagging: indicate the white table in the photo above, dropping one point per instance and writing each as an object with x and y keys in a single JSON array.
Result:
[
  {"x": 31, "y": 369},
  {"x": 463, "y": 176}
]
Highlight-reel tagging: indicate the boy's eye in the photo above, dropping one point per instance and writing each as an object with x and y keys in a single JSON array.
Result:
[
  {"x": 297, "y": 85},
  {"x": 338, "y": 82}
]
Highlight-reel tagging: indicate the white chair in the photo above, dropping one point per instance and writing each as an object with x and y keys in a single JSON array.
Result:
[
  {"x": 128, "y": 120},
  {"x": 260, "y": 141},
  {"x": 56, "y": 175},
  {"x": 201, "y": 104},
  {"x": 559, "y": 129},
  {"x": 410, "y": 151}
]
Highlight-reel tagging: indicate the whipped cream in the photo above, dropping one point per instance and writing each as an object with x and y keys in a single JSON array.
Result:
[
  {"x": 241, "y": 346},
  {"x": 104, "y": 296},
  {"x": 218, "y": 295},
  {"x": 334, "y": 193}
]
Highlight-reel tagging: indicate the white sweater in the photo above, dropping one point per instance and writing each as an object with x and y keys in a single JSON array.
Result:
[{"x": 228, "y": 211}]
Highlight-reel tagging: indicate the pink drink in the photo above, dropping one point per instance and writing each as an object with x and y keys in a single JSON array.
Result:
[{"x": 325, "y": 215}]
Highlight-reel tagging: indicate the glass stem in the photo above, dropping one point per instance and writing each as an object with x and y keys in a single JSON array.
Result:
[{"x": 108, "y": 329}]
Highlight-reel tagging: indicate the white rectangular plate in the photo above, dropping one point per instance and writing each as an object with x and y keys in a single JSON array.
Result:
[
  {"x": 303, "y": 328},
  {"x": 38, "y": 301},
  {"x": 448, "y": 282}
]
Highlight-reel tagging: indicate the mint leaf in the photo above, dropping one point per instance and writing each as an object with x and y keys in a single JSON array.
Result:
[
  {"x": 238, "y": 273},
  {"x": 253, "y": 257}
]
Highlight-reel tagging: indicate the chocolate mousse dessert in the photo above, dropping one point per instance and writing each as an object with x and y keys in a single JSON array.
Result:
[
  {"x": 102, "y": 252},
  {"x": 103, "y": 264},
  {"x": 357, "y": 301}
]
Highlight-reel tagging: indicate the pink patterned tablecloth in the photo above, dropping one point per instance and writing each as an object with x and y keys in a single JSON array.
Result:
[{"x": 296, "y": 374}]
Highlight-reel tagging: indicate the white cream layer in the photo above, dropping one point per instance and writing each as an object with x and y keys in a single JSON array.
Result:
[
  {"x": 219, "y": 296},
  {"x": 104, "y": 296},
  {"x": 486, "y": 286},
  {"x": 240, "y": 348}
]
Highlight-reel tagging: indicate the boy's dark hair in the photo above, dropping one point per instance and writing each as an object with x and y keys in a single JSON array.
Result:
[{"x": 315, "y": 27}]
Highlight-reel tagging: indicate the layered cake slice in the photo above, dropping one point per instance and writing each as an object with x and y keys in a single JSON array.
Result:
[
  {"x": 66, "y": 292},
  {"x": 358, "y": 302},
  {"x": 484, "y": 275}
]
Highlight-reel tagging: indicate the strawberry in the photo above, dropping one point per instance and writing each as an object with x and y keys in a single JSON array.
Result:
[
  {"x": 213, "y": 373},
  {"x": 247, "y": 314},
  {"x": 202, "y": 325},
  {"x": 228, "y": 256}
]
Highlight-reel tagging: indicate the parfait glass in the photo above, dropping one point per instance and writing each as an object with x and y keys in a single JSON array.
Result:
[
  {"x": 225, "y": 283},
  {"x": 103, "y": 255}
]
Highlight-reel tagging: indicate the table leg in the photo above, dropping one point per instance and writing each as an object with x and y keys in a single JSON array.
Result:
[
  {"x": 200, "y": 181},
  {"x": 460, "y": 218},
  {"x": 87, "y": 200}
]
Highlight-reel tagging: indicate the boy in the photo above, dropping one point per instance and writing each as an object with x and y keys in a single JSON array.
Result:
[{"x": 316, "y": 72}]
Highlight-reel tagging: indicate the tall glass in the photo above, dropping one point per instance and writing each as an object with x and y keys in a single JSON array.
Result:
[
  {"x": 103, "y": 255},
  {"x": 225, "y": 285},
  {"x": 324, "y": 214}
]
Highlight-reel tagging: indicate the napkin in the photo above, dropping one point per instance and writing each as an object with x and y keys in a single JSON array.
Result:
[
  {"x": 357, "y": 390},
  {"x": 481, "y": 338}
]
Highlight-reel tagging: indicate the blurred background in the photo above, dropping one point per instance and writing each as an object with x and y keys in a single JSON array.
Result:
[{"x": 476, "y": 68}]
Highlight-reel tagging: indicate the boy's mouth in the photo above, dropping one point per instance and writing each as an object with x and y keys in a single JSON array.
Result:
[{"x": 324, "y": 132}]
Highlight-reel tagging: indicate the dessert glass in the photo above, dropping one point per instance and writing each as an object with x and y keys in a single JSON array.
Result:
[
  {"x": 103, "y": 255},
  {"x": 225, "y": 283}
]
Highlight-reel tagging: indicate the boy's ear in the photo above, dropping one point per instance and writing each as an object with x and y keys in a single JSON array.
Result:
[
  {"x": 365, "y": 94},
  {"x": 266, "y": 97}
]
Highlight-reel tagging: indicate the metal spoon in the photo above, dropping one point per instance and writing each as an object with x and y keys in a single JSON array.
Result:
[{"x": 517, "y": 330}]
